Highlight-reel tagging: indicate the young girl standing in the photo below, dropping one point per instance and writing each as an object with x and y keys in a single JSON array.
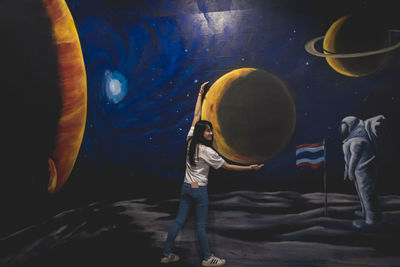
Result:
[{"x": 200, "y": 156}]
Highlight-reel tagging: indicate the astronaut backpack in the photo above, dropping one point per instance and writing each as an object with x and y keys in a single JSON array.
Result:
[{"x": 380, "y": 138}]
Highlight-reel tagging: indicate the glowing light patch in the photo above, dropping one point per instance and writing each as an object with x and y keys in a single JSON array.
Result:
[{"x": 116, "y": 86}]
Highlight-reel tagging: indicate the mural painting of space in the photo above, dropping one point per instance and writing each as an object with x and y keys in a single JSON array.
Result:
[{"x": 99, "y": 97}]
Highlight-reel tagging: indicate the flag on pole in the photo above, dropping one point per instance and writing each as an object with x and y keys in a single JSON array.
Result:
[
  {"x": 310, "y": 155},
  {"x": 313, "y": 155}
]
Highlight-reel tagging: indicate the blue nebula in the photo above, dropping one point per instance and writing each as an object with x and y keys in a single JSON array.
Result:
[{"x": 116, "y": 86}]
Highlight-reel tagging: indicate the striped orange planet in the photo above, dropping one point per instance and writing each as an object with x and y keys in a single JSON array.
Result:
[{"x": 72, "y": 122}]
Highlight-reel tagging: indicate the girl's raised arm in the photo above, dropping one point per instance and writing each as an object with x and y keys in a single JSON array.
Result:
[{"x": 197, "y": 108}]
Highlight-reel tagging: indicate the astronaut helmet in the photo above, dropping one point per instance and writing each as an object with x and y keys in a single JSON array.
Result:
[{"x": 347, "y": 125}]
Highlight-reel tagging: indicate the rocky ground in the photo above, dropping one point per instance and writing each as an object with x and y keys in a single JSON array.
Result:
[{"x": 248, "y": 228}]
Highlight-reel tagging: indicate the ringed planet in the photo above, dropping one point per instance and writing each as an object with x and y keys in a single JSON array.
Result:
[
  {"x": 310, "y": 48},
  {"x": 253, "y": 115},
  {"x": 354, "y": 45}
]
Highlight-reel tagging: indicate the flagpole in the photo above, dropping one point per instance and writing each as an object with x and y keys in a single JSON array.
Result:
[{"x": 325, "y": 192}]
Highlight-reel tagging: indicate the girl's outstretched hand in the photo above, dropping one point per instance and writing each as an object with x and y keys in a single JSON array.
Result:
[
  {"x": 201, "y": 92},
  {"x": 256, "y": 167}
]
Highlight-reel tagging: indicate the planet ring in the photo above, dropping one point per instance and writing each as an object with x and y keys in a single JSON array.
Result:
[{"x": 310, "y": 48}]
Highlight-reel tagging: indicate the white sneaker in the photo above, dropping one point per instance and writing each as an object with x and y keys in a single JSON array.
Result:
[
  {"x": 213, "y": 261},
  {"x": 170, "y": 258}
]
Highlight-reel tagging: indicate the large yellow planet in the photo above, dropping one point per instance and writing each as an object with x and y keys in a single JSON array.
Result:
[{"x": 253, "y": 115}]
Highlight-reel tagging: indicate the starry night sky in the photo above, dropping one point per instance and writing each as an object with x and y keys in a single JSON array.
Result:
[{"x": 145, "y": 61}]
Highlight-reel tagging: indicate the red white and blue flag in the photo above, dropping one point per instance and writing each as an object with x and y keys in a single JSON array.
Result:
[{"x": 312, "y": 155}]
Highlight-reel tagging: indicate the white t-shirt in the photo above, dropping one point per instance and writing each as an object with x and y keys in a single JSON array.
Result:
[{"x": 206, "y": 157}]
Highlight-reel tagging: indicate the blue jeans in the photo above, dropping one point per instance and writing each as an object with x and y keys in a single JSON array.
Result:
[{"x": 190, "y": 196}]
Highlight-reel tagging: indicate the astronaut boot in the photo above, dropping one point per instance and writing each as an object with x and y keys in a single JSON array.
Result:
[
  {"x": 359, "y": 213},
  {"x": 365, "y": 224}
]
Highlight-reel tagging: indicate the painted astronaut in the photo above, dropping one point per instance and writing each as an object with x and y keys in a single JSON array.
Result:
[{"x": 361, "y": 168}]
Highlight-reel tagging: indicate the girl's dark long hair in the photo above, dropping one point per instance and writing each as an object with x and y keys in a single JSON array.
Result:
[{"x": 197, "y": 138}]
